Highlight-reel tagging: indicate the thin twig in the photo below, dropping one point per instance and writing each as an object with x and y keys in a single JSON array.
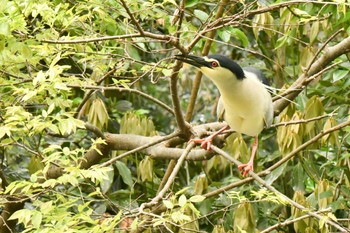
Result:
[
  {"x": 320, "y": 49},
  {"x": 308, "y": 143},
  {"x": 205, "y": 51},
  {"x": 173, "y": 82},
  {"x": 88, "y": 40},
  {"x": 313, "y": 77},
  {"x": 173, "y": 40},
  {"x": 181, "y": 16},
  {"x": 328, "y": 56},
  {"x": 26, "y": 147},
  {"x": 167, "y": 174},
  {"x": 131, "y": 15},
  {"x": 164, "y": 38},
  {"x": 291, "y": 221},
  {"x": 305, "y": 82},
  {"x": 337, "y": 187},
  {"x": 95, "y": 130},
  {"x": 279, "y": 163},
  {"x": 89, "y": 93},
  {"x": 272, "y": 189},
  {"x": 302, "y": 121},
  {"x": 122, "y": 89},
  {"x": 171, "y": 179}
]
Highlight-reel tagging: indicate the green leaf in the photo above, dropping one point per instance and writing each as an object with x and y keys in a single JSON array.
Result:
[
  {"x": 46, "y": 207},
  {"x": 326, "y": 194},
  {"x": 197, "y": 198},
  {"x": 29, "y": 95},
  {"x": 61, "y": 86},
  {"x": 168, "y": 204},
  {"x": 201, "y": 15},
  {"x": 35, "y": 164},
  {"x": 298, "y": 178},
  {"x": 125, "y": 173},
  {"x": 167, "y": 72},
  {"x": 270, "y": 178},
  {"x": 106, "y": 183},
  {"x": 181, "y": 191},
  {"x": 68, "y": 179},
  {"x": 241, "y": 36},
  {"x": 51, "y": 108},
  {"x": 301, "y": 13},
  {"x": 4, "y": 29},
  {"x": 23, "y": 216},
  {"x": 37, "y": 219},
  {"x": 244, "y": 218},
  {"x": 134, "y": 224},
  {"x": 191, "y": 3},
  {"x": 314, "y": 31},
  {"x": 281, "y": 42},
  {"x": 182, "y": 200},
  {"x": 339, "y": 74},
  {"x": 224, "y": 35}
]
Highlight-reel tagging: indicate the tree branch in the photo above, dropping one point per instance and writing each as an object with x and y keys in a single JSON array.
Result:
[
  {"x": 140, "y": 148},
  {"x": 122, "y": 89},
  {"x": 302, "y": 121},
  {"x": 205, "y": 51},
  {"x": 89, "y": 93},
  {"x": 291, "y": 221},
  {"x": 171, "y": 179},
  {"x": 272, "y": 189},
  {"x": 173, "y": 81},
  {"x": 329, "y": 55},
  {"x": 89, "y": 40},
  {"x": 280, "y": 162},
  {"x": 159, "y": 151}
]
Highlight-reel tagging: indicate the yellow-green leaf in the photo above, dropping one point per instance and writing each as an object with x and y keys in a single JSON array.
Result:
[
  {"x": 201, "y": 15},
  {"x": 197, "y": 198},
  {"x": 182, "y": 200}
]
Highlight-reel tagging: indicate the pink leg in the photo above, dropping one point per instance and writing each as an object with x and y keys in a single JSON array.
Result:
[
  {"x": 250, "y": 165},
  {"x": 208, "y": 141}
]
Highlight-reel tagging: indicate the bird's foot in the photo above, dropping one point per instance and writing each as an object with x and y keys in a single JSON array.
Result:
[
  {"x": 205, "y": 142},
  {"x": 245, "y": 168},
  {"x": 208, "y": 141}
]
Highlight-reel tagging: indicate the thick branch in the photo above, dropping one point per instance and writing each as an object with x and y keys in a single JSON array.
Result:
[
  {"x": 329, "y": 55},
  {"x": 12, "y": 205},
  {"x": 180, "y": 120},
  {"x": 159, "y": 151},
  {"x": 140, "y": 148}
]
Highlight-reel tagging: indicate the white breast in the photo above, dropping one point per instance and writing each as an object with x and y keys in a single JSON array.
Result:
[{"x": 248, "y": 105}]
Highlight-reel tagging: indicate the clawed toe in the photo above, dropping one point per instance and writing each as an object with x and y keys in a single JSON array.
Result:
[
  {"x": 205, "y": 143},
  {"x": 245, "y": 168}
]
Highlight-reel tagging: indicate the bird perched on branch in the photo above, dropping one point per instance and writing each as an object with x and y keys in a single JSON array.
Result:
[{"x": 245, "y": 103}]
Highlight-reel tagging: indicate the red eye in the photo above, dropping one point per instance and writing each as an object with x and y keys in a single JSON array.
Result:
[{"x": 214, "y": 64}]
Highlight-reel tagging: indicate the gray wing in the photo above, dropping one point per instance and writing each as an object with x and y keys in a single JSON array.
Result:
[
  {"x": 260, "y": 75},
  {"x": 220, "y": 110},
  {"x": 268, "y": 119}
]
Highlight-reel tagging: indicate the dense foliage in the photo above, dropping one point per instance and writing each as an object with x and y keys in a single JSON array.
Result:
[{"x": 83, "y": 83}]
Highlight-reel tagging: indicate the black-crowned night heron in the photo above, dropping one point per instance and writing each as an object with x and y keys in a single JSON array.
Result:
[{"x": 245, "y": 103}]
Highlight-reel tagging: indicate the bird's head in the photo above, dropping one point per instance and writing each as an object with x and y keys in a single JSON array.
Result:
[{"x": 218, "y": 68}]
